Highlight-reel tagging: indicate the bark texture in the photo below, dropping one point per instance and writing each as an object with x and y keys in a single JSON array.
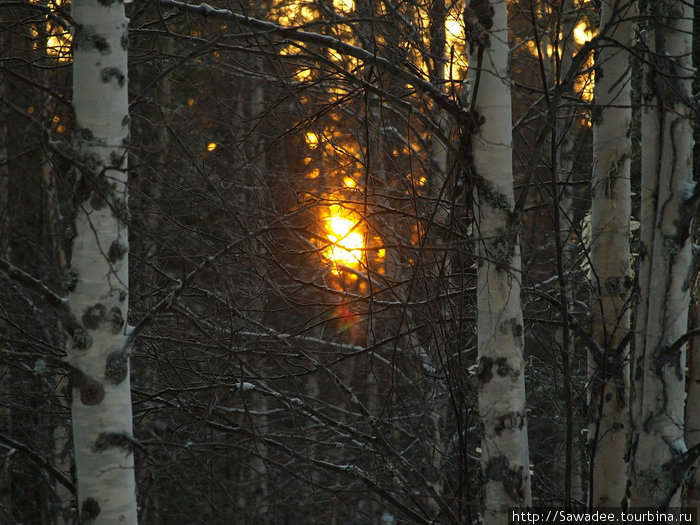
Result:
[
  {"x": 658, "y": 450},
  {"x": 504, "y": 446},
  {"x": 98, "y": 277},
  {"x": 611, "y": 278}
]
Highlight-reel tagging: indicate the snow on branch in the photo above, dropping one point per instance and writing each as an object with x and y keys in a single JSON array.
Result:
[{"x": 32, "y": 283}]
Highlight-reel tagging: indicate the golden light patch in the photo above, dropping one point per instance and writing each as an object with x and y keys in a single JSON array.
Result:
[
  {"x": 312, "y": 139},
  {"x": 342, "y": 230},
  {"x": 303, "y": 75},
  {"x": 454, "y": 27},
  {"x": 582, "y": 33},
  {"x": 584, "y": 84},
  {"x": 344, "y": 5},
  {"x": 456, "y": 65},
  {"x": 58, "y": 45}
]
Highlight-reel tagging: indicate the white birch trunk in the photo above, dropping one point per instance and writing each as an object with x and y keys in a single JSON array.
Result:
[
  {"x": 659, "y": 466},
  {"x": 101, "y": 401},
  {"x": 610, "y": 276},
  {"x": 504, "y": 446}
]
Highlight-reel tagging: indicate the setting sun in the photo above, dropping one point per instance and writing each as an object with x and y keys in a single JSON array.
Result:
[
  {"x": 347, "y": 241},
  {"x": 584, "y": 84}
]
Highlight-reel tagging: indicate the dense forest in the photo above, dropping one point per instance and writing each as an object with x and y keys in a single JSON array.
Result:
[{"x": 346, "y": 262}]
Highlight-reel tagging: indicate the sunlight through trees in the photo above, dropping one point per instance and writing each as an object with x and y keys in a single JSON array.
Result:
[{"x": 358, "y": 262}]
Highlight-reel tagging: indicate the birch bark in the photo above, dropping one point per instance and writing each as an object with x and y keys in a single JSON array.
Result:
[
  {"x": 97, "y": 347},
  {"x": 611, "y": 278},
  {"x": 660, "y": 460},
  {"x": 504, "y": 445}
]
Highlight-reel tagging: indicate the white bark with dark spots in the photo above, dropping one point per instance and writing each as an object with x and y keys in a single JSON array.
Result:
[
  {"x": 98, "y": 302},
  {"x": 504, "y": 448}
]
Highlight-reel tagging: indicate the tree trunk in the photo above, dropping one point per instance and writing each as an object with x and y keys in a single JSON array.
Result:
[
  {"x": 98, "y": 346},
  {"x": 504, "y": 445},
  {"x": 610, "y": 276},
  {"x": 692, "y": 411},
  {"x": 438, "y": 42},
  {"x": 659, "y": 459}
]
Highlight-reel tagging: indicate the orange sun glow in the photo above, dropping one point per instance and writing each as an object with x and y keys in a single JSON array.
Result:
[{"x": 342, "y": 230}]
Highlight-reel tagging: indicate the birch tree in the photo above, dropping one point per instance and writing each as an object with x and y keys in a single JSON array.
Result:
[
  {"x": 660, "y": 458},
  {"x": 610, "y": 255},
  {"x": 347, "y": 387},
  {"x": 98, "y": 301},
  {"x": 504, "y": 448}
]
